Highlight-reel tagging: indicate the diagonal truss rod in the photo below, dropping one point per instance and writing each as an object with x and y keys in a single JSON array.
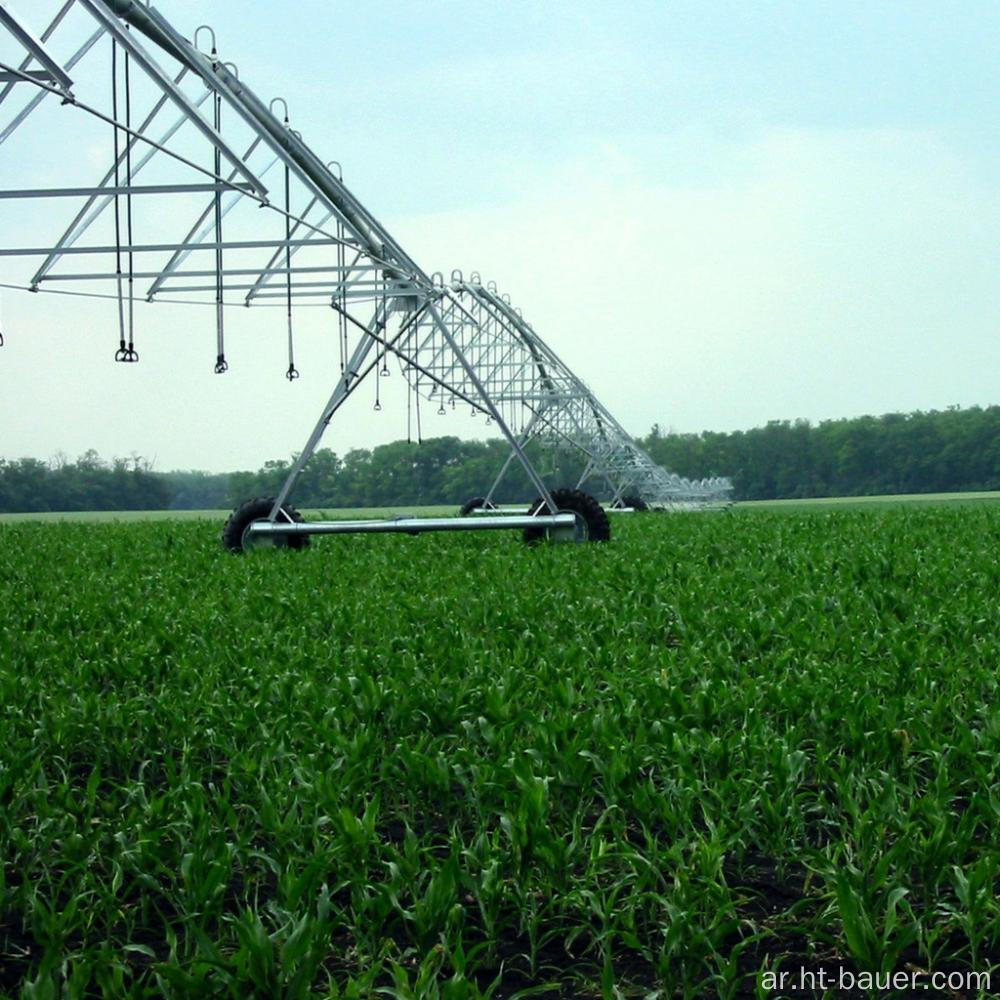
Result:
[
  {"x": 293, "y": 151},
  {"x": 194, "y": 236},
  {"x": 461, "y": 338},
  {"x": 19, "y": 74},
  {"x": 273, "y": 265},
  {"x": 45, "y": 36},
  {"x": 111, "y": 24},
  {"x": 82, "y": 222},
  {"x": 36, "y": 47}
]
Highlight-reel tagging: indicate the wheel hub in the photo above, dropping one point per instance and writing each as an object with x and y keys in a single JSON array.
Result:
[{"x": 575, "y": 532}]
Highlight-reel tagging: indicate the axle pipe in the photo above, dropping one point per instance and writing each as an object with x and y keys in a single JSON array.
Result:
[{"x": 412, "y": 525}]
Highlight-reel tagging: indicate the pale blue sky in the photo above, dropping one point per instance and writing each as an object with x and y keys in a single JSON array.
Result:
[
  {"x": 717, "y": 213},
  {"x": 463, "y": 92}
]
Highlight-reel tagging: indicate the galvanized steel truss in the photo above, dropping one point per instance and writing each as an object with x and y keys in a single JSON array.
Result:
[{"x": 185, "y": 127}]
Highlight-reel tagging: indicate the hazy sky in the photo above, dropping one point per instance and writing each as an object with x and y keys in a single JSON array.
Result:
[{"x": 718, "y": 214}]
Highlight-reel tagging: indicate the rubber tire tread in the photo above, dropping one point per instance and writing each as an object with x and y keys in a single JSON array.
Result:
[
  {"x": 635, "y": 502},
  {"x": 598, "y": 525},
  {"x": 256, "y": 510},
  {"x": 470, "y": 505}
]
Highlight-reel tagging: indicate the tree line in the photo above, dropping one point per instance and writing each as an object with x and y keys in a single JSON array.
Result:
[
  {"x": 921, "y": 452},
  {"x": 441, "y": 470},
  {"x": 30, "y": 485},
  {"x": 938, "y": 451}
]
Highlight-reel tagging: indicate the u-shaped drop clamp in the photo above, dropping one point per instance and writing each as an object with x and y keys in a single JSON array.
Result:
[
  {"x": 284, "y": 104},
  {"x": 211, "y": 31}
]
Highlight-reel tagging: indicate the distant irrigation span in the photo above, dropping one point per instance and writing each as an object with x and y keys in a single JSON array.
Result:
[{"x": 195, "y": 153}]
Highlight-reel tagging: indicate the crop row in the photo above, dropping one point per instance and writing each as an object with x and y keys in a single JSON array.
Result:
[{"x": 455, "y": 766}]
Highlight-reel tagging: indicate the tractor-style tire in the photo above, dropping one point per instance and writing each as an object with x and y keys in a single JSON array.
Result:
[
  {"x": 258, "y": 509},
  {"x": 470, "y": 505},
  {"x": 588, "y": 510},
  {"x": 635, "y": 502}
]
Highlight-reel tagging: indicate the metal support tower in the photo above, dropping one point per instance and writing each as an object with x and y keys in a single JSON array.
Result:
[{"x": 276, "y": 226}]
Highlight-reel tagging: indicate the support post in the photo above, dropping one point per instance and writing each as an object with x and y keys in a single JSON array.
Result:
[
  {"x": 340, "y": 393},
  {"x": 345, "y": 386},
  {"x": 488, "y": 403},
  {"x": 525, "y": 438}
]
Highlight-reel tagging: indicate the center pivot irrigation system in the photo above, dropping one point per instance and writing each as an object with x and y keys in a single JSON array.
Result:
[{"x": 211, "y": 196}]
